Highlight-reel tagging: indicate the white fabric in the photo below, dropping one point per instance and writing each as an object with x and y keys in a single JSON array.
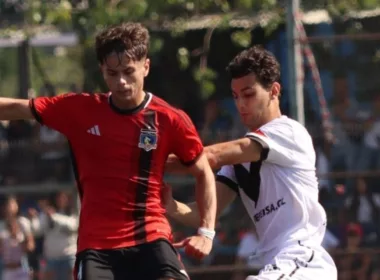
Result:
[
  {"x": 23, "y": 222},
  {"x": 287, "y": 209},
  {"x": 323, "y": 167},
  {"x": 247, "y": 246},
  {"x": 60, "y": 240},
  {"x": 330, "y": 241},
  {"x": 299, "y": 263},
  {"x": 247, "y": 250}
]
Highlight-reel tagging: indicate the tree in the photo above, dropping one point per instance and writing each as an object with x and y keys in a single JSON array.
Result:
[{"x": 86, "y": 17}]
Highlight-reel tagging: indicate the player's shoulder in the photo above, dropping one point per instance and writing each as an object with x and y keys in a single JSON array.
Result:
[
  {"x": 89, "y": 97},
  {"x": 285, "y": 128},
  {"x": 82, "y": 97},
  {"x": 168, "y": 111}
]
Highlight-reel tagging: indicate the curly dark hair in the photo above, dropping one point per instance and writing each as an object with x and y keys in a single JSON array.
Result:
[
  {"x": 258, "y": 61},
  {"x": 129, "y": 38}
]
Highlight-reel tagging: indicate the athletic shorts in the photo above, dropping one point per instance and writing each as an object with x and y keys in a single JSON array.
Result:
[
  {"x": 149, "y": 261},
  {"x": 299, "y": 262}
]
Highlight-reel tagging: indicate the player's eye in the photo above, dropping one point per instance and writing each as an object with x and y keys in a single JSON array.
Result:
[
  {"x": 249, "y": 94},
  {"x": 112, "y": 74},
  {"x": 129, "y": 72}
]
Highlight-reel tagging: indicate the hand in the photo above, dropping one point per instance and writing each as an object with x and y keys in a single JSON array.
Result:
[
  {"x": 197, "y": 246},
  {"x": 167, "y": 199},
  {"x": 49, "y": 210}
]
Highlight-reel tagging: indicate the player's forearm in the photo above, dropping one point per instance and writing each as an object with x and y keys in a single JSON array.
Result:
[
  {"x": 186, "y": 214},
  {"x": 206, "y": 199},
  {"x": 14, "y": 109},
  {"x": 232, "y": 152}
]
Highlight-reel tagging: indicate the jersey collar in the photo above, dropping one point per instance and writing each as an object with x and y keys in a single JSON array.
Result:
[{"x": 144, "y": 104}]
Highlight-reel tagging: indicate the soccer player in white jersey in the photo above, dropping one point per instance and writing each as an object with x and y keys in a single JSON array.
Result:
[{"x": 272, "y": 170}]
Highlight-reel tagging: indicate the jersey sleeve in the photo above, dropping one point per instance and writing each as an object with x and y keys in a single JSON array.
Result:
[
  {"x": 55, "y": 112},
  {"x": 226, "y": 176},
  {"x": 187, "y": 144},
  {"x": 280, "y": 148}
]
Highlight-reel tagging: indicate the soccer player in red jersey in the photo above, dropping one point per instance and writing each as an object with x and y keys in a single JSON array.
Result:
[{"x": 120, "y": 142}]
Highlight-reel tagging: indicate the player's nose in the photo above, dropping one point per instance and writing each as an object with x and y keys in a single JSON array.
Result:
[
  {"x": 240, "y": 104},
  {"x": 122, "y": 81}
]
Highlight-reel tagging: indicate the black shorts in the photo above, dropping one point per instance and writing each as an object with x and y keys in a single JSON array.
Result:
[{"x": 149, "y": 261}]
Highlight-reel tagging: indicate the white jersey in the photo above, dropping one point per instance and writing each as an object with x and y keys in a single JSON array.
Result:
[{"x": 280, "y": 192}]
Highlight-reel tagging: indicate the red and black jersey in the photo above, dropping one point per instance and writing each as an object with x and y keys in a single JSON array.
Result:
[{"x": 119, "y": 160}]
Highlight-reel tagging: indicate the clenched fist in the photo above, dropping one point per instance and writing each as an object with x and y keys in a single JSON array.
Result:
[{"x": 197, "y": 246}]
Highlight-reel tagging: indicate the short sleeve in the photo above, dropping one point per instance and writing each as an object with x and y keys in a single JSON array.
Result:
[
  {"x": 280, "y": 147},
  {"x": 187, "y": 144},
  {"x": 55, "y": 112},
  {"x": 272, "y": 151},
  {"x": 226, "y": 176}
]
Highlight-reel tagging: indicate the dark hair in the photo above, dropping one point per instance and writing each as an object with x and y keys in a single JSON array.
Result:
[
  {"x": 255, "y": 60},
  {"x": 129, "y": 38}
]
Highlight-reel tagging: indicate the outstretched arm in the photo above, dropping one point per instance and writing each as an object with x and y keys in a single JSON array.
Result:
[
  {"x": 188, "y": 214},
  {"x": 218, "y": 155},
  {"x": 14, "y": 109}
]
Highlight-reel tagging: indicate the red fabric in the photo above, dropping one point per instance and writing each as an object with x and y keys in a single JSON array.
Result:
[
  {"x": 119, "y": 182},
  {"x": 258, "y": 131}
]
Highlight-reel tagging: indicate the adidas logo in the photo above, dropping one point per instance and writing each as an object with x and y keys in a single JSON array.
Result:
[{"x": 94, "y": 130}]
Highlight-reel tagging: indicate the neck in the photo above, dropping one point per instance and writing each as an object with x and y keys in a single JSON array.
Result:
[
  {"x": 128, "y": 104},
  {"x": 270, "y": 116}
]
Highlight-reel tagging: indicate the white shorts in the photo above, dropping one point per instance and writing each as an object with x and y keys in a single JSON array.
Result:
[
  {"x": 15, "y": 274},
  {"x": 298, "y": 262}
]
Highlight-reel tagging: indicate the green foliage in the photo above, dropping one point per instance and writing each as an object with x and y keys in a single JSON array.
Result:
[
  {"x": 8, "y": 72},
  {"x": 205, "y": 77},
  {"x": 87, "y": 17},
  {"x": 183, "y": 58},
  {"x": 242, "y": 38}
]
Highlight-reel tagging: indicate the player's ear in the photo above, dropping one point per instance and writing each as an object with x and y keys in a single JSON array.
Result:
[
  {"x": 276, "y": 90},
  {"x": 146, "y": 67}
]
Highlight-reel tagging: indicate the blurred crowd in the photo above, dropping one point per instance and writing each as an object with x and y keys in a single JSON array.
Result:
[
  {"x": 38, "y": 232},
  {"x": 38, "y": 237}
]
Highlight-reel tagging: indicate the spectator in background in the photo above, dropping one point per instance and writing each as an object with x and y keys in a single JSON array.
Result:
[
  {"x": 21, "y": 156},
  {"x": 363, "y": 207},
  {"x": 53, "y": 156},
  {"x": 370, "y": 154},
  {"x": 330, "y": 241},
  {"x": 14, "y": 246},
  {"x": 52, "y": 148},
  {"x": 354, "y": 264},
  {"x": 348, "y": 127},
  {"x": 217, "y": 123},
  {"x": 10, "y": 211},
  {"x": 246, "y": 254},
  {"x": 58, "y": 224}
]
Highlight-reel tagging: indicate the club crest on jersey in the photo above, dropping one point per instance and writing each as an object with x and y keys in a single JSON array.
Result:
[{"x": 148, "y": 139}]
